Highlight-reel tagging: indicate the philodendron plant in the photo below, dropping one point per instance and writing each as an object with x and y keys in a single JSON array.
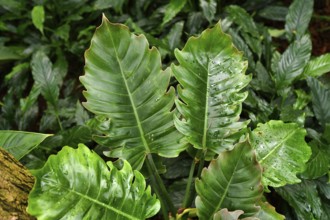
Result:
[{"x": 142, "y": 120}]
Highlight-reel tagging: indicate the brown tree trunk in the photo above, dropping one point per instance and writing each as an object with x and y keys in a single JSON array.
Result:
[{"x": 15, "y": 185}]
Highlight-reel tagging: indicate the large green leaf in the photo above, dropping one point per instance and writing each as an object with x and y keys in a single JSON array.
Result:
[
  {"x": 281, "y": 151},
  {"x": 211, "y": 75},
  {"x": 318, "y": 66},
  {"x": 125, "y": 82},
  {"x": 304, "y": 199},
  {"x": 298, "y": 17},
  {"x": 45, "y": 78},
  {"x": 78, "y": 184},
  {"x": 231, "y": 181},
  {"x": 320, "y": 100},
  {"x": 292, "y": 63},
  {"x": 20, "y": 143}
]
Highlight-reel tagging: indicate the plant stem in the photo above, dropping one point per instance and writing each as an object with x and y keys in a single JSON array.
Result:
[
  {"x": 58, "y": 121},
  {"x": 158, "y": 183},
  {"x": 201, "y": 164},
  {"x": 189, "y": 189}
]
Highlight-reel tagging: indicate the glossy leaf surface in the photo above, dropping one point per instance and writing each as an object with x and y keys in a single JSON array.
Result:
[
  {"x": 231, "y": 181},
  {"x": 172, "y": 9},
  {"x": 292, "y": 62},
  {"x": 78, "y": 184},
  {"x": 125, "y": 82},
  {"x": 320, "y": 100},
  {"x": 281, "y": 151},
  {"x": 298, "y": 17},
  {"x": 304, "y": 200},
  {"x": 20, "y": 143},
  {"x": 319, "y": 163},
  {"x": 45, "y": 78},
  {"x": 209, "y": 8},
  {"x": 318, "y": 66},
  {"x": 211, "y": 76}
]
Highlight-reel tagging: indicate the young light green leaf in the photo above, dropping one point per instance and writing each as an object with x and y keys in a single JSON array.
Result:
[
  {"x": 45, "y": 78},
  {"x": 211, "y": 76},
  {"x": 20, "y": 143},
  {"x": 298, "y": 17},
  {"x": 209, "y": 8},
  {"x": 172, "y": 9},
  {"x": 304, "y": 199},
  {"x": 320, "y": 100},
  {"x": 281, "y": 151},
  {"x": 318, "y": 66},
  {"x": 78, "y": 184},
  {"x": 291, "y": 63},
  {"x": 125, "y": 82},
  {"x": 231, "y": 181},
  {"x": 38, "y": 17}
]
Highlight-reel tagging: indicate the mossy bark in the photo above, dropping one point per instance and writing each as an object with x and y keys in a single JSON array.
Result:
[{"x": 15, "y": 185}]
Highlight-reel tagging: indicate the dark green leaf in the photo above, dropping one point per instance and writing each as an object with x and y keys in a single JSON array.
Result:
[
  {"x": 209, "y": 8},
  {"x": 45, "y": 78},
  {"x": 298, "y": 17},
  {"x": 239, "y": 16},
  {"x": 78, "y": 184},
  {"x": 320, "y": 100},
  {"x": 292, "y": 63},
  {"x": 319, "y": 163},
  {"x": 303, "y": 198},
  {"x": 174, "y": 36},
  {"x": 172, "y": 9},
  {"x": 273, "y": 12}
]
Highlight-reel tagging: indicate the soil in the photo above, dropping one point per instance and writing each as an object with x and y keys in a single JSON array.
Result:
[{"x": 320, "y": 28}]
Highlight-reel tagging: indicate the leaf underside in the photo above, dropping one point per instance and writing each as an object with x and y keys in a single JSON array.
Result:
[
  {"x": 77, "y": 184},
  {"x": 20, "y": 143},
  {"x": 231, "y": 181},
  {"x": 211, "y": 76},
  {"x": 125, "y": 82}
]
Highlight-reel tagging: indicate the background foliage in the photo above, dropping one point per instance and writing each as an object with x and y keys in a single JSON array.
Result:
[{"x": 42, "y": 46}]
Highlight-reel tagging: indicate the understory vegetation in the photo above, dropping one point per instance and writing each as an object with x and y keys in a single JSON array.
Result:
[{"x": 180, "y": 109}]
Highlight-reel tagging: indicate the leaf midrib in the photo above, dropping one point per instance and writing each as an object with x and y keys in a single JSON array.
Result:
[
  {"x": 103, "y": 205},
  {"x": 229, "y": 183},
  {"x": 206, "y": 108},
  {"x": 137, "y": 118},
  {"x": 277, "y": 146}
]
